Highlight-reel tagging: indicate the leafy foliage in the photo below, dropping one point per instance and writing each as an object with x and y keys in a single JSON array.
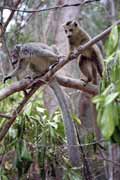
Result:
[
  {"x": 36, "y": 137},
  {"x": 108, "y": 102}
]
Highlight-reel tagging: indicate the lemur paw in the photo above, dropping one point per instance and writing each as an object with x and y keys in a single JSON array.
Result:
[
  {"x": 53, "y": 65},
  {"x": 84, "y": 82},
  {"x": 72, "y": 55}
]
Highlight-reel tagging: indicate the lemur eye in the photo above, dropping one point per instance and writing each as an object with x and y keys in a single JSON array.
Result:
[
  {"x": 75, "y": 24},
  {"x": 65, "y": 31},
  {"x": 71, "y": 30}
]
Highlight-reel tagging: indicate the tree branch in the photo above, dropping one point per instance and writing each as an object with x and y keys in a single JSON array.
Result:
[
  {"x": 51, "y": 8},
  {"x": 77, "y": 84},
  {"x": 15, "y": 87},
  {"x": 64, "y": 81},
  {"x": 5, "y": 116},
  {"x": 11, "y": 15}
]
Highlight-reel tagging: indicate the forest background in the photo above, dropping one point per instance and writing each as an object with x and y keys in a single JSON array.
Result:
[{"x": 33, "y": 140}]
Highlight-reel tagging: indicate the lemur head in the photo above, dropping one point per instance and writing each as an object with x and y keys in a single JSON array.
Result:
[
  {"x": 15, "y": 53},
  {"x": 71, "y": 28}
]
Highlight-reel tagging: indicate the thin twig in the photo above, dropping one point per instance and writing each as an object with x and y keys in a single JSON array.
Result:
[
  {"x": 113, "y": 162},
  {"x": 11, "y": 14},
  {"x": 51, "y": 8},
  {"x": 27, "y": 19},
  {"x": 5, "y": 116}
]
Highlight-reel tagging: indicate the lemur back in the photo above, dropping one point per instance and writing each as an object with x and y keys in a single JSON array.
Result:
[{"x": 90, "y": 60}]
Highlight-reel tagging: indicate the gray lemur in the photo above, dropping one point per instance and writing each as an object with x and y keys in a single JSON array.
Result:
[
  {"x": 36, "y": 58},
  {"x": 90, "y": 60},
  {"x": 31, "y": 59}
]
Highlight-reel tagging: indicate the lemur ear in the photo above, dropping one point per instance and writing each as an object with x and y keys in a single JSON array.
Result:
[
  {"x": 18, "y": 46},
  {"x": 75, "y": 24},
  {"x": 67, "y": 24}
]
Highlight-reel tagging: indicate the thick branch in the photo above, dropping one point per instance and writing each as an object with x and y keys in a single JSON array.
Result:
[
  {"x": 15, "y": 87},
  {"x": 64, "y": 81},
  {"x": 77, "y": 84}
]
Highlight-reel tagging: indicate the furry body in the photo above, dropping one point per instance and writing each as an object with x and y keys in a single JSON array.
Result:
[
  {"x": 31, "y": 59},
  {"x": 90, "y": 60}
]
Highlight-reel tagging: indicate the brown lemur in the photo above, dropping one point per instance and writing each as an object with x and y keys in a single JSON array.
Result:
[
  {"x": 34, "y": 59},
  {"x": 90, "y": 60}
]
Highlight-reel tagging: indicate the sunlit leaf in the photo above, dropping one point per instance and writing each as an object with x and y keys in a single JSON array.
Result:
[
  {"x": 76, "y": 119},
  {"x": 112, "y": 43},
  {"x": 110, "y": 98},
  {"x": 106, "y": 91},
  {"x": 99, "y": 98},
  {"x": 53, "y": 124},
  {"x": 40, "y": 109},
  {"x": 8, "y": 165},
  {"x": 107, "y": 121}
]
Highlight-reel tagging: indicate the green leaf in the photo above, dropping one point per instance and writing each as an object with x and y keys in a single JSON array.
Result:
[
  {"x": 52, "y": 132},
  {"x": 25, "y": 154},
  {"x": 40, "y": 109},
  {"x": 99, "y": 116},
  {"x": 118, "y": 86},
  {"x": 112, "y": 43},
  {"x": 107, "y": 90},
  {"x": 109, "y": 58},
  {"x": 115, "y": 71},
  {"x": 53, "y": 124},
  {"x": 98, "y": 99},
  {"x": 76, "y": 119},
  {"x": 110, "y": 98},
  {"x": 107, "y": 121},
  {"x": 3, "y": 177}
]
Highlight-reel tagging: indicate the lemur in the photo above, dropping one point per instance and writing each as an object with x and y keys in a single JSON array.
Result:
[
  {"x": 31, "y": 59},
  {"x": 90, "y": 60}
]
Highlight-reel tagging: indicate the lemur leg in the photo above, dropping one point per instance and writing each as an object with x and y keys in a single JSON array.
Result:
[
  {"x": 87, "y": 68},
  {"x": 14, "y": 73}
]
